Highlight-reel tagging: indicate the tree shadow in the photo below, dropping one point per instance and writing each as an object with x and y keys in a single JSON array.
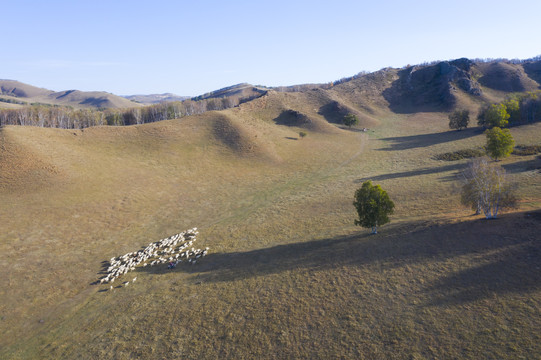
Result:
[
  {"x": 292, "y": 118},
  {"x": 425, "y": 140},
  {"x": 511, "y": 236},
  {"x": 515, "y": 269},
  {"x": 522, "y": 166},
  {"x": 334, "y": 112},
  {"x": 425, "y": 171}
]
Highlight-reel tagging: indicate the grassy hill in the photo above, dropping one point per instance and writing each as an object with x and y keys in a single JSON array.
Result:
[
  {"x": 243, "y": 91},
  {"x": 288, "y": 274},
  {"x": 155, "y": 98},
  {"x": 24, "y": 93}
]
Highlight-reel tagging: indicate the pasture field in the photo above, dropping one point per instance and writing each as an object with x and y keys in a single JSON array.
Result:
[{"x": 288, "y": 275}]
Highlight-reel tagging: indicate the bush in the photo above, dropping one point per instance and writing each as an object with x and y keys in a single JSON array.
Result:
[
  {"x": 350, "y": 120},
  {"x": 460, "y": 154},
  {"x": 459, "y": 119},
  {"x": 525, "y": 150}
]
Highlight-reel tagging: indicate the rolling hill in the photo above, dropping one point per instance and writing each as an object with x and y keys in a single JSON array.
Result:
[
  {"x": 241, "y": 91},
  {"x": 26, "y": 94},
  {"x": 288, "y": 274},
  {"x": 155, "y": 98}
]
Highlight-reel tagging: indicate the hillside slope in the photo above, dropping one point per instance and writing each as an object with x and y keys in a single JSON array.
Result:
[
  {"x": 439, "y": 86},
  {"x": 155, "y": 98},
  {"x": 25, "y": 93},
  {"x": 288, "y": 274}
]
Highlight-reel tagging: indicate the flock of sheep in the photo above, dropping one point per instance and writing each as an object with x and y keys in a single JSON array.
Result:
[{"x": 172, "y": 250}]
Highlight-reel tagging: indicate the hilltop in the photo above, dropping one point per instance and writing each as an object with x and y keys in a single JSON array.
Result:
[
  {"x": 155, "y": 98},
  {"x": 432, "y": 87},
  {"x": 18, "y": 93}
]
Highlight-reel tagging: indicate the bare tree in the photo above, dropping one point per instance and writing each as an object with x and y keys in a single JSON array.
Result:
[
  {"x": 486, "y": 188},
  {"x": 42, "y": 114}
]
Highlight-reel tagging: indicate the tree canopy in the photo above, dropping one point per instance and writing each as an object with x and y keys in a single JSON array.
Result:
[
  {"x": 459, "y": 119},
  {"x": 500, "y": 143},
  {"x": 350, "y": 120},
  {"x": 495, "y": 115},
  {"x": 373, "y": 206}
]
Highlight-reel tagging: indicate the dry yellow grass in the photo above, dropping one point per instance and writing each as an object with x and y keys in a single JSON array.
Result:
[{"x": 289, "y": 276}]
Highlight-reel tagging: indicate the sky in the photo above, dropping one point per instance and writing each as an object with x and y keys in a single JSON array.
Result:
[{"x": 193, "y": 47}]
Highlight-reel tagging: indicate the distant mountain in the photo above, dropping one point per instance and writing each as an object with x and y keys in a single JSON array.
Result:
[
  {"x": 18, "y": 93},
  {"x": 155, "y": 98},
  {"x": 430, "y": 87},
  {"x": 18, "y": 89}
]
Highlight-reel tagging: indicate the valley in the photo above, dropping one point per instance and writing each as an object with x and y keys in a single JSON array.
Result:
[{"x": 288, "y": 274}]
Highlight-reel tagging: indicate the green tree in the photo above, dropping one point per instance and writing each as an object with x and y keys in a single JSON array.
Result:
[
  {"x": 494, "y": 116},
  {"x": 350, "y": 120},
  {"x": 302, "y": 134},
  {"x": 500, "y": 143},
  {"x": 512, "y": 106},
  {"x": 459, "y": 119},
  {"x": 373, "y": 206},
  {"x": 486, "y": 188}
]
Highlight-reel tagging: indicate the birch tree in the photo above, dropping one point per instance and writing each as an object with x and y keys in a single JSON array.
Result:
[{"x": 486, "y": 188}]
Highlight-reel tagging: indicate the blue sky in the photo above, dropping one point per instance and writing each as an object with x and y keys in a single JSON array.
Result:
[{"x": 192, "y": 47}]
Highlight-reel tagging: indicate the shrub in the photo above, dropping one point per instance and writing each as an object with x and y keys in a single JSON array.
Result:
[
  {"x": 525, "y": 150},
  {"x": 459, "y": 119},
  {"x": 460, "y": 154}
]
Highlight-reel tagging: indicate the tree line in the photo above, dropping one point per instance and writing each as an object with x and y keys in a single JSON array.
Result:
[
  {"x": 517, "y": 109},
  {"x": 66, "y": 117}
]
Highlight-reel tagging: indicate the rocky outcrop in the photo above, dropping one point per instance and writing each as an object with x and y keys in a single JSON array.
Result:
[{"x": 431, "y": 87}]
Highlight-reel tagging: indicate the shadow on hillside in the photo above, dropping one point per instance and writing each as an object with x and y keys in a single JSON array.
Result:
[
  {"x": 533, "y": 70},
  {"x": 515, "y": 270},
  {"x": 425, "y": 171},
  {"x": 511, "y": 238},
  {"x": 521, "y": 166},
  {"x": 425, "y": 140},
  {"x": 332, "y": 112},
  {"x": 292, "y": 118}
]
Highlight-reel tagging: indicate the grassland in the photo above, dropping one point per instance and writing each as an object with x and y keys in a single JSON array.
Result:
[{"x": 289, "y": 275}]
